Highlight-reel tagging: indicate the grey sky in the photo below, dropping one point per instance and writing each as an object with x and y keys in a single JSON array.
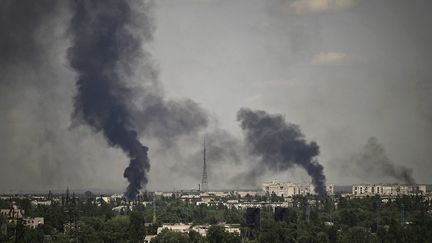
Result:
[{"x": 343, "y": 70}]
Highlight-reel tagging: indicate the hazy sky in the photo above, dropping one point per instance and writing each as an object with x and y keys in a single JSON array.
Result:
[{"x": 343, "y": 70}]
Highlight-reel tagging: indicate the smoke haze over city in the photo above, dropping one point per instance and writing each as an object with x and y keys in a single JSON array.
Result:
[{"x": 86, "y": 87}]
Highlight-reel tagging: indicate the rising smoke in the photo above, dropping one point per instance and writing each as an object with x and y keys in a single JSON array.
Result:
[
  {"x": 103, "y": 50},
  {"x": 167, "y": 120},
  {"x": 36, "y": 90},
  {"x": 280, "y": 145},
  {"x": 106, "y": 49},
  {"x": 372, "y": 160},
  {"x": 33, "y": 87}
]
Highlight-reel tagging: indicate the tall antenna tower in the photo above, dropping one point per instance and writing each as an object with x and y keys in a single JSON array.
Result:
[{"x": 204, "y": 181}]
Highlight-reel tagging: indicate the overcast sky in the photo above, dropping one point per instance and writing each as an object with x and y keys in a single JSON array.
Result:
[{"x": 343, "y": 70}]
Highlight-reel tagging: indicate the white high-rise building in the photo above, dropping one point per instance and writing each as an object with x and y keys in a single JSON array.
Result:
[
  {"x": 386, "y": 189},
  {"x": 289, "y": 189}
]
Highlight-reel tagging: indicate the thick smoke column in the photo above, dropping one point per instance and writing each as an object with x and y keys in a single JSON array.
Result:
[
  {"x": 373, "y": 160},
  {"x": 104, "y": 51},
  {"x": 280, "y": 145}
]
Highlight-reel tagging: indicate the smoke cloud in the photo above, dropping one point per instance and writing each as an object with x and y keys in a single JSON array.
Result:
[
  {"x": 225, "y": 155},
  {"x": 167, "y": 120},
  {"x": 102, "y": 42},
  {"x": 37, "y": 86},
  {"x": 106, "y": 50},
  {"x": 280, "y": 145},
  {"x": 373, "y": 160}
]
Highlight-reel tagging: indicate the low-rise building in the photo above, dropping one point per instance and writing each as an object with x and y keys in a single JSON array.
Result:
[
  {"x": 33, "y": 223},
  {"x": 164, "y": 194},
  {"x": 121, "y": 209},
  {"x": 106, "y": 199},
  {"x": 116, "y": 196},
  {"x": 148, "y": 238},
  {"x": 243, "y": 194},
  {"x": 41, "y": 202},
  {"x": 232, "y": 228},
  {"x": 220, "y": 194},
  {"x": 201, "y": 229},
  {"x": 182, "y": 228},
  {"x": 207, "y": 198},
  {"x": 12, "y": 213},
  {"x": 190, "y": 198}
]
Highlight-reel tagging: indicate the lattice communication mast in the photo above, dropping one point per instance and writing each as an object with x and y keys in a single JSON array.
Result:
[{"x": 204, "y": 181}]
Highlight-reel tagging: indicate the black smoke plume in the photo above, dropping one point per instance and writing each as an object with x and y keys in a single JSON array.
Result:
[
  {"x": 104, "y": 51},
  {"x": 280, "y": 145},
  {"x": 107, "y": 48},
  {"x": 373, "y": 160}
]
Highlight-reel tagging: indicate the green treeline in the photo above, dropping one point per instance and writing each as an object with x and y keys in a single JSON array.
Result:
[{"x": 404, "y": 219}]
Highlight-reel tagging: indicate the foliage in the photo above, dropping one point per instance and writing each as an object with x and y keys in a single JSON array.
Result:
[
  {"x": 217, "y": 234},
  {"x": 168, "y": 236},
  {"x": 137, "y": 227},
  {"x": 309, "y": 219}
]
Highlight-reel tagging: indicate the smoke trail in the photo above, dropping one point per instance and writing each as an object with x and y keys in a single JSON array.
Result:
[
  {"x": 373, "y": 160},
  {"x": 280, "y": 145},
  {"x": 104, "y": 51},
  {"x": 167, "y": 120}
]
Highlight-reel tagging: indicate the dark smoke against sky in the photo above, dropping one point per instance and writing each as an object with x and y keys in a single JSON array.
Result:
[
  {"x": 372, "y": 163},
  {"x": 343, "y": 74},
  {"x": 106, "y": 50},
  {"x": 118, "y": 94},
  {"x": 280, "y": 145},
  {"x": 103, "y": 52}
]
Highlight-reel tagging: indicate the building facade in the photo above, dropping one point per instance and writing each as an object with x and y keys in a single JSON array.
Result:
[
  {"x": 201, "y": 229},
  {"x": 289, "y": 189},
  {"x": 33, "y": 223},
  {"x": 386, "y": 189},
  {"x": 12, "y": 214}
]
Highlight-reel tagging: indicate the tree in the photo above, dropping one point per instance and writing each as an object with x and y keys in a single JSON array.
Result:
[
  {"x": 60, "y": 238},
  {"x": 3, "y": 228},
  {"x": 195, "y": 237},
  {"x": 87, "y": 234},
  {"x": 357, "y": 234},
  {"x": 217, "y": 234},
  {"x": 168, "y": 236},
  {"x": 277, "y": 232},
  {"x": 33, "y": 235},
  {"x": 137, "y": 227},
  {"x": 19, "y": 231},
  {"x": 116, "y": 229},
  {"x": 275, "y": 198},
  {"x": 322, "y": 237},
  {"x": 25, "y": 205}
]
